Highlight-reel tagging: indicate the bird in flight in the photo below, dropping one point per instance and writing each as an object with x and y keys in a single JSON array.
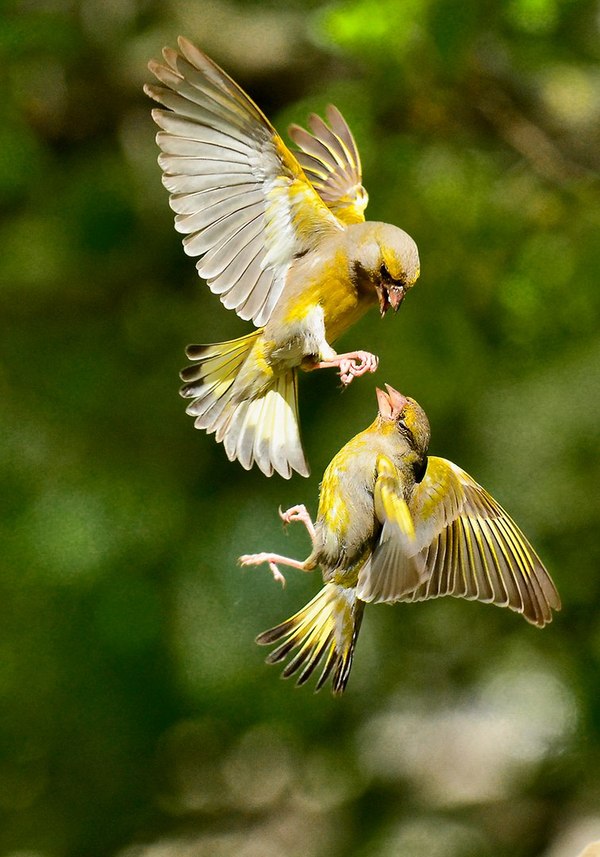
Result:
[
  {"x": 395, "y": 524},
  {"x": 281, "y": 237}
]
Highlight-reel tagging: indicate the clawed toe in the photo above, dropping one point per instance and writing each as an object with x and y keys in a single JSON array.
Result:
[
  {"x": 347, "y": 373},
  {"x": 356, "y": 364},
  {"x": 259, "y": 559},
  {"x": 298, "y": 513},
  {"x": 277, "y": 575},
  {"x": 350, "y": 365}
]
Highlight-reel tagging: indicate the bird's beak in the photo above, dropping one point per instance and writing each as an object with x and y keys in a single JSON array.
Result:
[
  {"x": 396, "y": 399},
  {"x": 390, "y": 296},
  {"x": 395, "y": 296},
  {"x": 390, "y": 403},
  {"x": 384, "y": 303},
  {"x": 384, "y": 404}
]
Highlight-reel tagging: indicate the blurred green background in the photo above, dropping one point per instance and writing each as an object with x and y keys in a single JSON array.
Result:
[{"x": 137, "y": 718}]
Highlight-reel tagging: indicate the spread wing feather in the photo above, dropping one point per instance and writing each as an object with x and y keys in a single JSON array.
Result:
[
  {"x": 240, "y": 196},
  {"x": 472, "y": 548},
  {"x": 331, "y": 161}
]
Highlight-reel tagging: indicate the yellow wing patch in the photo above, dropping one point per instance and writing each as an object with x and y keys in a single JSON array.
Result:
[
  {"x": 390, "y": 506},
  {"x": 395, "y": 567}
]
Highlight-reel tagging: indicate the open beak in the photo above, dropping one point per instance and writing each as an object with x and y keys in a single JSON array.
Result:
[
  {"x": 396, "y": 295},
  {"x": 391, "y": 403},
  {"x": 383, "y": 403},
  {"x": 384, "y": 303},
  {"x": 397, "y": 400},
  {"x": 391, "y": 296}
]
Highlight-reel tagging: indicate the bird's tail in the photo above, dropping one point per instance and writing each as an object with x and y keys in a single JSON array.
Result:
[
  {"x": 323, "y": 632},
  {"x": 252, "y": 411}
]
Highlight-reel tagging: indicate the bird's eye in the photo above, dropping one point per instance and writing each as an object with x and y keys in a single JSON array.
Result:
[{"x": 387, "y": 277}]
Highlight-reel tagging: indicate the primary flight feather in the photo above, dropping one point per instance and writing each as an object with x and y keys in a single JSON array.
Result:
[
  {"x": 396, "y": 525},
  {"x": 282, "y": 239}
]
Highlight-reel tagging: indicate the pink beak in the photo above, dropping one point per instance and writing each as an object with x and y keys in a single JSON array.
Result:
[
  {"x": 396, "y": 296},
  {"x": 383, "y": 403},
  {"x": 390, "y": 403},
  {"x": 397, "y": 400}
]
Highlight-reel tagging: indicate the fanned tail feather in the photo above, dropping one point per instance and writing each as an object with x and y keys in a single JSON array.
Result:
[
  {"x": 256, "y": 422},
  {"x": 323, "y": 633}
]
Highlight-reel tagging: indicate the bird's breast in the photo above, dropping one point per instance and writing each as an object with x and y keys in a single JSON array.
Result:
[{"x": 343, "y": 305}]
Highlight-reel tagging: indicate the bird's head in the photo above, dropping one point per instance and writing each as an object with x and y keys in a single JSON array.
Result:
[
  {"x": 390, "y": 259},
  {"x": 407, "y": 416}
]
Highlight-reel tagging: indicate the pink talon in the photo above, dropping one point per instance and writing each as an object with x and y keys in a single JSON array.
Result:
[
  {"x": 277, "y": 575},
  {"x": 258, "y": 559},
  {"x": 272, "y": 559},
  {"x": 298, "y": 513},
  {"x": 351, "y": 365}
]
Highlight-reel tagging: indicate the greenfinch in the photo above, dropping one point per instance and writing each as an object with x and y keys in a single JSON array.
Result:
[
  {"x": 282, "y": 239},
  {"x": 396, "y": 525}
]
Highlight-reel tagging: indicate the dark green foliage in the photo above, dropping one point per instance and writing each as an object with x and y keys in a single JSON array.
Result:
[{"x": 134, "y": 706}]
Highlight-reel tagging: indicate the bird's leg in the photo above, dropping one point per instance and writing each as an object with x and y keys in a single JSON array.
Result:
[
  {"x": 272, "y": 559},
  {"x": 299, "y": 513},
  {"x": 294, "y": 513},
  {"x": 351, "y": 365}
]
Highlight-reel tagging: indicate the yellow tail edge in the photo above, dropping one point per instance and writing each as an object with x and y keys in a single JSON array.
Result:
[
  {"x": 254, "y": 415},
  {"x": 323, "y": 633}
]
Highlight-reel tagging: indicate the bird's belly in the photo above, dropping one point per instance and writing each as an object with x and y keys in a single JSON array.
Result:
[
  {"x": 345, "y": 523},
  {"x": 303, "y": 334}
]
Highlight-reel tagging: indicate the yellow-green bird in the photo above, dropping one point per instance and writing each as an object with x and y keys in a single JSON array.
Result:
[
  {"x": 282, "y": 240},
  {"x": 396, "y": 525}
]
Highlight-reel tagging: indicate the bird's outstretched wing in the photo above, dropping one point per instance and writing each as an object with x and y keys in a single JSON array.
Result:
[
  {"x": 240, "y": 196},
  {"x": 473, "y": 549},
  {"x": 396, "y": 567},
  {"x": 331, "y": 161}
]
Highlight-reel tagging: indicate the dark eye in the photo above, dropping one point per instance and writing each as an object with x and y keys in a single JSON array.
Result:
[{"x": 387, "y": 277}]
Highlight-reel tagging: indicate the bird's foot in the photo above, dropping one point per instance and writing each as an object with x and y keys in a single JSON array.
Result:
[
  {"x": 356, "y": 363},
  {"x": 350, "y": 365},
  {"x": 259, "y": 558},
  {"x": 298, "y": 513}
]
